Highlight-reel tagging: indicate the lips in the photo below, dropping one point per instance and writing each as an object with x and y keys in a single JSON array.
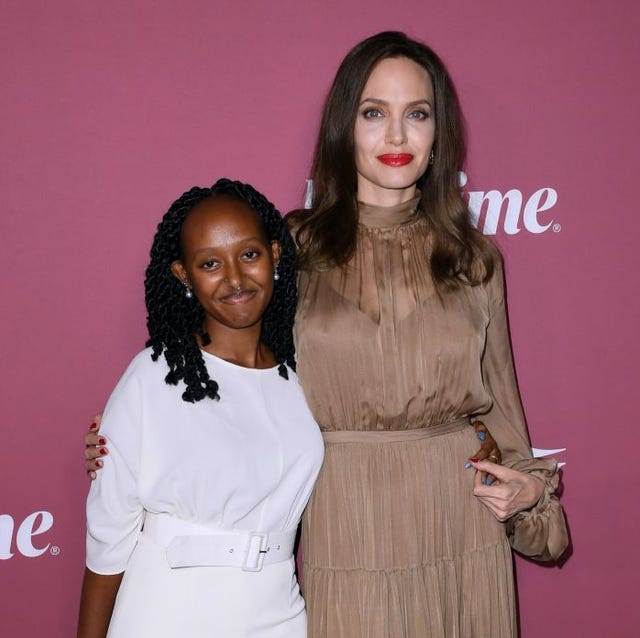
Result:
[
  {"x": 240, "y": 297},
  {"x": 395, "y": 159}
]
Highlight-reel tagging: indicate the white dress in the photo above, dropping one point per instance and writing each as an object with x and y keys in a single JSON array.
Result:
[{"x": 246, "y": 463}]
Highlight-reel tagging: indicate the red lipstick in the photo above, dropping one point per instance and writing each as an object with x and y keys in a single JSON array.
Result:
[{"x": 395, "y": 159}]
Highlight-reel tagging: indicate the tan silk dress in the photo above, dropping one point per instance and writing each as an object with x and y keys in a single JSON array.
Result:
[{"x": 394, "y": 543}]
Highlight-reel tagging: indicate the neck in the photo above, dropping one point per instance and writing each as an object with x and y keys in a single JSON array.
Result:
[
  {"x": 385, "y": 196},
  {"x": 240, "y": 346}
]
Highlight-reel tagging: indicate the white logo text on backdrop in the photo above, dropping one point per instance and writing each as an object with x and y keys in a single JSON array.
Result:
[
  {"x": 541, "y": 201},
  {"x": 33, "y": 525}
]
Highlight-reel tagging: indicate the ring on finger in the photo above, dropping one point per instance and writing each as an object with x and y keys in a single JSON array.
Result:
[{"x": 493, "y": 456}]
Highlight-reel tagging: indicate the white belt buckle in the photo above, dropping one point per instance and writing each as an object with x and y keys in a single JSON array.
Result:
[{"x": 255, "y": 552}]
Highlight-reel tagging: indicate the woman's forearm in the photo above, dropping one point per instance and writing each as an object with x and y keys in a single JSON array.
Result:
[{"x": 96, "y": 603}]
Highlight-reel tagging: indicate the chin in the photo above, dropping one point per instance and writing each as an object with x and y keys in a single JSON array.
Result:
[
  {"x": 398, "y": 184},
  {"x": 242, "y": 322},
  {"x": 401, "y": 179}
]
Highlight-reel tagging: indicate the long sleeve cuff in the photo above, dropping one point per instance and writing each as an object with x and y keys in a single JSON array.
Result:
[{"x": 540, "y": 532}]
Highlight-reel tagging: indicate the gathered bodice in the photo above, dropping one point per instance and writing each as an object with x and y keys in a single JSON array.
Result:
[{"x": 378, "y": 348}]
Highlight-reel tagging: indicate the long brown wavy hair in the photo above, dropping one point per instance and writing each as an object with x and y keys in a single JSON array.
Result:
[{"x": 326, "y": 234}]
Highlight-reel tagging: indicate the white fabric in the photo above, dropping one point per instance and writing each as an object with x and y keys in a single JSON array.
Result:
[
  {"x": 156, "y": 601},
  {"x": 247, "y": 462}
]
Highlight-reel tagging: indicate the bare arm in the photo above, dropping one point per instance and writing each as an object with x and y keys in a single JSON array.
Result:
[{"x": 96, "y": 603}]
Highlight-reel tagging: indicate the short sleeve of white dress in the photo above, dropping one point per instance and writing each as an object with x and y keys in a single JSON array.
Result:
[{"x": 114, "y": 512}]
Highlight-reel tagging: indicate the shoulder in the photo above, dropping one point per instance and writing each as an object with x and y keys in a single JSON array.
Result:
[
  {"x": 142, "y": 364},
  {"x": 141, "y": 384},
  {"x": 294, "y": 221},
  {"x": 495, "y": 283},
  {"x": 489, "y": 264},
  {"x": 142, "y": 369}
]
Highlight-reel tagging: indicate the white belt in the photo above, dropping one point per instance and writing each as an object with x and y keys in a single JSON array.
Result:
[{"x": 193, "y": 545}]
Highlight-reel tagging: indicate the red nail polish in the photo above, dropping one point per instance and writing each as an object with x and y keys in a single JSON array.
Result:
[
  {"x": 102, "y": 441},
  {"x": 93, "y": 426},
  {"x": 103, "y": 450},
  {"x": 99, "y": 463},
  {"x": 473, "y": 459}
]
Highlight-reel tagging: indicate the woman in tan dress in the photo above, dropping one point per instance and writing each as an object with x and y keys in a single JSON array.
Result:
[
  {"x": 402, "y": 342},
  {"x": 402, "y": 339}
]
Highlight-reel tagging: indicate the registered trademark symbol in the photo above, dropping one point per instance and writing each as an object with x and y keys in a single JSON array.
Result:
[
  {"x": 557, "y": 227},
  {"x": 54, "y": 551}
]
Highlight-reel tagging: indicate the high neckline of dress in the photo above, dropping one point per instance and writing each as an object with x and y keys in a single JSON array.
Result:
[
  {"x": 236, "y": 366},
  {"x": 373, "y": 216}
]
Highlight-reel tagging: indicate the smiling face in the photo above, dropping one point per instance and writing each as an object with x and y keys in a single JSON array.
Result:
[
  {"x": 394, "y": 131},
  {"x": 228, "y": 262}
]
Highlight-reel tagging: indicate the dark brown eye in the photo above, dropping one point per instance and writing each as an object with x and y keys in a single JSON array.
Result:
[{"x": 250, "y": 255}]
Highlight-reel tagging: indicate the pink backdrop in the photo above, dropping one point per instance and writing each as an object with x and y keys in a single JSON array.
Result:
[{"x": 110, "y": 110}]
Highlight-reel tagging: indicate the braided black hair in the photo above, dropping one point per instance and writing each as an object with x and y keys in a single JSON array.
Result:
[{"x": 175, "y": 322}]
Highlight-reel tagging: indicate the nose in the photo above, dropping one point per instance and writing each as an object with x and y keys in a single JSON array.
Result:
[
  {"x": 233, "y": 275},
  {"x": 395, "y": 133}
]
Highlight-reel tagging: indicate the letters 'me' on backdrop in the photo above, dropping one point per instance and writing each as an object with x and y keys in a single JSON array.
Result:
[{"x": 110, "y": 111}]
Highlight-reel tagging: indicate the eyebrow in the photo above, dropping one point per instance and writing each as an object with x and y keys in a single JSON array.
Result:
[
  {"x": 246, "y": 240},
  {"x": 376, "y": 100}
]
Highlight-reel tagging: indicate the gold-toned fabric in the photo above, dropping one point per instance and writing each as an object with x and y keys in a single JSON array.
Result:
[{"x": 394, "y": 542}]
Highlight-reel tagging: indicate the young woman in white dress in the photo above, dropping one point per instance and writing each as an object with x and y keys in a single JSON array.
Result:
[{"x": 213, "y": 452}]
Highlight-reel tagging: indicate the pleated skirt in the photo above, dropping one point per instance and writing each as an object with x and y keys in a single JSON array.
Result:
[
  {"x": 395, "y": 545},
  {"x": 205, "y": 602}
]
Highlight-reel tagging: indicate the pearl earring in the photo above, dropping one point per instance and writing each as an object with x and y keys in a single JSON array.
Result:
[
  {"x": 188, "y": 293},
  {"x": 432, "y": 157},
  {"x": 276, "y": 274}
]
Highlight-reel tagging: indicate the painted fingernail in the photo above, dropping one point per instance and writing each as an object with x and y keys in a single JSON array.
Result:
[
  {"x": 467, "y": 465},
  {"x": 99, "y": 463},
  {"x": 103, "y": 450},
  {"x": 102, "y": 441},
  {"x": 93, "y": 425},
  {"x": 482, "y": 436},
  {"x": 474, "y": 459}
]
